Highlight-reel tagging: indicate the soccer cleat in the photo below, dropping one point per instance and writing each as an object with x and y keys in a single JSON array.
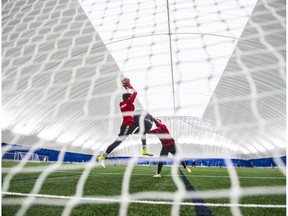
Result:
[
  {"x": 188, "y": 170},
  {"x": 145, "y": 152},
  {"x": 157, "y": 176},
  {"x": 101, "y": 160}
]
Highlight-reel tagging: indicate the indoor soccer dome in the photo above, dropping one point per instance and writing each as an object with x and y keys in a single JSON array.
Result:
[{"x": 213, "y": 71}]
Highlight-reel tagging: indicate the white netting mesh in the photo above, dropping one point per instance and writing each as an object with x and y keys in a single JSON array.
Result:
[{"x": 214, "y": 71}]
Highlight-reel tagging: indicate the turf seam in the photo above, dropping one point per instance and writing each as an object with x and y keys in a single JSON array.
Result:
[{"x": 201, "y": 210}]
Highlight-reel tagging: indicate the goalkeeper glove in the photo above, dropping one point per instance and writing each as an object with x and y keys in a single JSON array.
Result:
[{"x": 126, "y": 83}]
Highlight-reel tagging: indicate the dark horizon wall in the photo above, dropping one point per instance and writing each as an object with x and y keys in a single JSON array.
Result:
[{"x": 78, "y": 158}]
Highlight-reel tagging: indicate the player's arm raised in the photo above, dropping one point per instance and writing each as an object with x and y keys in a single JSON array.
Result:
[{"x": 126, "y": 84}]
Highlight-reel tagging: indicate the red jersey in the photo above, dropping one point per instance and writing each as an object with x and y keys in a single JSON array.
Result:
[
  {"x": 163, "y": 133},
  {"x": 127, "y": 108}
]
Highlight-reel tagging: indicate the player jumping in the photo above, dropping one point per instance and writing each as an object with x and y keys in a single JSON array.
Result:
[{"x": 128, "y": 127}]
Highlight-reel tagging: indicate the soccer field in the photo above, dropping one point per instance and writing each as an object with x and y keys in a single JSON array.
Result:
[{"x": 103, "y": 189}]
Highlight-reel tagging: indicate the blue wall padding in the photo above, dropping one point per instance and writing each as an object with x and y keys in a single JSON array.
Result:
[{"x": 77, "y": 157}]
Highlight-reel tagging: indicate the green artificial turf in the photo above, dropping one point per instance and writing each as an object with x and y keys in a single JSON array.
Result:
[{"x": 107, "y": 183}]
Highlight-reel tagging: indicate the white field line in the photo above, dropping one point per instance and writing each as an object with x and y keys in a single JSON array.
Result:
[{"x": 50, "y": 200}]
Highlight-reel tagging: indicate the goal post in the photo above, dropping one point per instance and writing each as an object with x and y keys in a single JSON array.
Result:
[{"x": 30, "y": 156}]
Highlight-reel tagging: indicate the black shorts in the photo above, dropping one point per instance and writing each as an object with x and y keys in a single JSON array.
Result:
[
  {"x": 147, "y": 123},
  {"x": 166, "y": 150},
  {"x": 126, "y": 130}
]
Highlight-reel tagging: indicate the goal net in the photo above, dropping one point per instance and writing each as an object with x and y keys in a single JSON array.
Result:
[{"x": 213, "y": 71}]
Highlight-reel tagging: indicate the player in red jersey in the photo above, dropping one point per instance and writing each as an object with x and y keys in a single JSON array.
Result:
[
  {"x": 127, "y": 127},
  {"x": 168, "y": 144}
]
